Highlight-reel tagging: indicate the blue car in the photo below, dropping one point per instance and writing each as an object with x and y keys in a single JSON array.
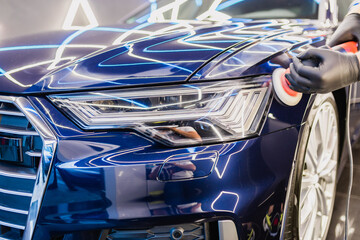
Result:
[{"x": 166, "y": 126}]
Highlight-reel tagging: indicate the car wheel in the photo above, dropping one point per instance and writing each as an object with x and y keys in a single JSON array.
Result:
[{"x": 314, "y": 181}]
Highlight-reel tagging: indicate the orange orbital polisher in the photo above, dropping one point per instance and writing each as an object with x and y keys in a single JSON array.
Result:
[{"x": 281, "y": 85}]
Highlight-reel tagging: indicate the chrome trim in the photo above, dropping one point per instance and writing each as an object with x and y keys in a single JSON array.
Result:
[
  {"x": 49, "y": 146},
  {"x": 11, "y": 113},
  {"x": 24, "y": 194},
  {"x": 14, "y": 210},
  {"x": 34, "y": 118},
  {"x": 33, "y": 154},
  {"x": 22, "y": 173},
  {"x": 18, "y": 131},
  {"x": 2, "y": 238},
  {"x": 12, "y": 226}
]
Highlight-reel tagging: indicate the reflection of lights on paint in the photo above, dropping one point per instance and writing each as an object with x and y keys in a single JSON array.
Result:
[
  {"x": 62, "y": 47},
  {"x": 35, "y": 65},
  {"x": 272, "y": 116},
  {"x": 74, "y": 8},
  {"x": 139, "y": 30},
  {"x": 130, "y": 53},
  {"x": 224, "y": 193},
  {"x": 112, "y": 158},
  {"x": 135, "y": 30},
  {"x": 221, "y": 174},
  {"x": 51, "y": 63},
  {"x": 8, "y": 76}
]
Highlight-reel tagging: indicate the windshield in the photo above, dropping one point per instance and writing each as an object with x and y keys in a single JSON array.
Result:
[
  {"x": 24, "y": 17},
  {"x": 161, "y": 10},
  {"x": 265, "y": 9}
]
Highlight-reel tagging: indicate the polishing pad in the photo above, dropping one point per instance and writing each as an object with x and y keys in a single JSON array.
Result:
[{"x": 282, "y": 90}]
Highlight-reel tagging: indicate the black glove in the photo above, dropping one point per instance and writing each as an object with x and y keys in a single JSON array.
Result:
[
  {"x": 349, "y": 30},
  {"x": 329, "y": 71}
]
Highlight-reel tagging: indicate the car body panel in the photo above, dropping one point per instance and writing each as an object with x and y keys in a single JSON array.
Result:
[
  {"x": 85, "y": 58},
  {"x": 88, "y": 166},
  {"x": 145, "y": 57},
  {"x": 103, "y": 179}
]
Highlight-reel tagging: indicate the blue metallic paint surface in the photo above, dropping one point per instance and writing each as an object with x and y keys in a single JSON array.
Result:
[
  {"x": 89, "y": 166},
  {"x": 168, "y": 53},
  {"x": 102, "y": 179}
]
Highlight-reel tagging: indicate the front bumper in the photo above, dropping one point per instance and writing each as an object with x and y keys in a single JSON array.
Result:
[{"x": 102, "y": 180}]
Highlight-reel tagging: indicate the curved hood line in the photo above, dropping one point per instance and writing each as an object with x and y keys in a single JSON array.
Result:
[
  {"x": 241, "y": 45},
  {"x": 86, "y": 59}
]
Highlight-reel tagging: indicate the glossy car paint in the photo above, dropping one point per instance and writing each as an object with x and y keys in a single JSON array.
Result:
[
  {"x": 89, "y": 166},
  {"x": 89, "y": 59},
  {"x": 102, "y": 179}
]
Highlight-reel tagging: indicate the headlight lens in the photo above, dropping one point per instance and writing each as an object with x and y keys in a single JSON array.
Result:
[{"x": 175, "y": 115}]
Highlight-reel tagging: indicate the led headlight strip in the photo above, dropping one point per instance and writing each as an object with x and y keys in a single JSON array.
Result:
[{"x": 177, "y": 115}]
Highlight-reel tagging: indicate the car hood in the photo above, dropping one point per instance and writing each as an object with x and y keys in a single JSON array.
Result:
[{"x": 150, "y": 53}]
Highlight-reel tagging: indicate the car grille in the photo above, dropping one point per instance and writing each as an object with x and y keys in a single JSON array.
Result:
[
  {"x": 187, "y": 231},
  {"x": 20, "y": 153}
]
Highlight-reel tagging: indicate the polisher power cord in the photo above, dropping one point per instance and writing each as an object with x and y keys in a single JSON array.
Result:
[
  {"x": 350, "y": 47},
  {"x": 351, "y": 165}
]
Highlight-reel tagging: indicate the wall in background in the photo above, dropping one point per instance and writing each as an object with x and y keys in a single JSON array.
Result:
[
  {"x": 23, "y": 17},
  {"x": 343, "y": 7}
]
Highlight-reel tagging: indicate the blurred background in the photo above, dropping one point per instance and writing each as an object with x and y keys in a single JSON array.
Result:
[{"x": 23, "y": 17}]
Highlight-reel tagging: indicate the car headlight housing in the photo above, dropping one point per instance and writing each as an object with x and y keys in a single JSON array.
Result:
[{"x": 177, "y": 115}]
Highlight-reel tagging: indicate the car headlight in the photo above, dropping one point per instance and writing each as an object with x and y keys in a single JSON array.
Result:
[{"x": 178, "y": 115}]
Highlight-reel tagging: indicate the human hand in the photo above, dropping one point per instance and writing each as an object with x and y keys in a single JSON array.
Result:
[{"x": 332, "y": 70}]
